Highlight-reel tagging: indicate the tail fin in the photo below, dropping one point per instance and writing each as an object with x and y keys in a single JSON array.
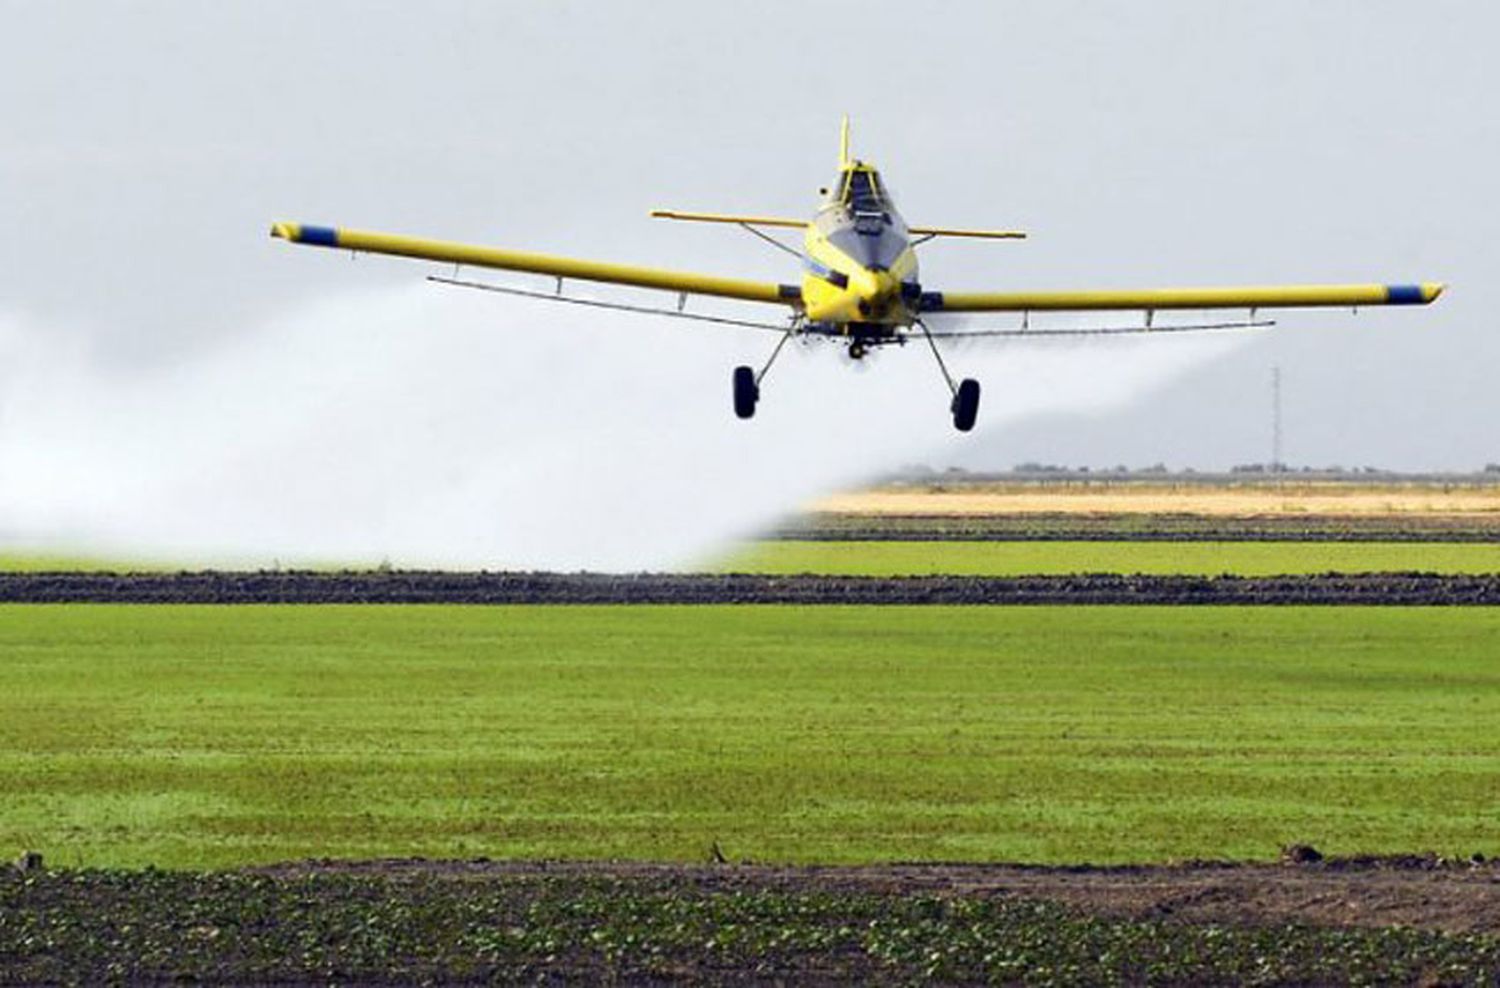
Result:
[{"x": 844, "y": 143}]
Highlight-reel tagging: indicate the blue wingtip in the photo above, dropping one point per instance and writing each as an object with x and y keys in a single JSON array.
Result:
[
  {"x": 1405, "y": 295},
  {"x": 321, "y": 236}
]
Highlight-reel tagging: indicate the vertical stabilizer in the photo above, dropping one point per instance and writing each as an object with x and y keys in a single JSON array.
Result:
[{"x": 844, "y": 143}]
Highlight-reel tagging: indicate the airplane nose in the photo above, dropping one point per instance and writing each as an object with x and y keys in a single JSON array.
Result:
[{"x": 874, "y": 287}]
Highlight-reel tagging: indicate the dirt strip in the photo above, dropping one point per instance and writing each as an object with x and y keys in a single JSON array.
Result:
[
  {"x": 1417, "y": 921},
  {"x": 1418, "y": 891},
  {"x": 1079, "y": 527},
  {"x": 416, "y": 587}
]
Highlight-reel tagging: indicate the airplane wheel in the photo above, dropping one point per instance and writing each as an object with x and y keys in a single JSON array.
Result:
[
  {"x": 746, "y": 392},
  {"x": 966, "y": 405}
]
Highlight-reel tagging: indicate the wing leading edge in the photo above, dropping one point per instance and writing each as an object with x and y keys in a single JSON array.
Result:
[
  {"x": 1248, "y": 297},
  {"x": 514, "y": 260}
]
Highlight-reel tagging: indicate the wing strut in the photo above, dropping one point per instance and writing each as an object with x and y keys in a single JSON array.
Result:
[
  {"x": 772, "y": 241},
  {"x": 616, "y": 306},
  {"x": 790, "y": 332},
  {"x": 1154, "y": 330}
]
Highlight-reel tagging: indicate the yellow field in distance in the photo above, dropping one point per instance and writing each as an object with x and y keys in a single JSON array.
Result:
[{"x": 1108, "y": 497}]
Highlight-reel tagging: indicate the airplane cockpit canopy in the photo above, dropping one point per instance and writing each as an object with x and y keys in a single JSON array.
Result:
[
  {"x": 877, "y": 236},
  {"x": 862, "y": 191}
]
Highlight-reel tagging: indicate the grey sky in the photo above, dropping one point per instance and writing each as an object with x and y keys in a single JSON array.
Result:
[{"x": 147, "y": 146}]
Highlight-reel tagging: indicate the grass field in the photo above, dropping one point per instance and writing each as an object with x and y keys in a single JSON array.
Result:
[
  {"x": 24, "y": 562},
  {"x": 197, "y": 736},
  {"x": 33, "y": 562},
  {"x": 1036, "y": 558},
  {"x": 1005, "y": 558}
]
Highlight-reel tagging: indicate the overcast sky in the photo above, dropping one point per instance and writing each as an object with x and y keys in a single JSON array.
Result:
[{"x": 147, "y": 146}]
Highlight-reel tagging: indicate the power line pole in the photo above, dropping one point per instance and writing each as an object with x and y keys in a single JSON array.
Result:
[{"x": 1277, "y": 466}]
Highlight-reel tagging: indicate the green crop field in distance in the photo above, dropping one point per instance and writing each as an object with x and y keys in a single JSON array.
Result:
[
  {"x": 17, "y": 562},
  {"x": 212, "y": 736},
  {"x": 33, "y": 562},
  {"x": 1038, "y": 558}
]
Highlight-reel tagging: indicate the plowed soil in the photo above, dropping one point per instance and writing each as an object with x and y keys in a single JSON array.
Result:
[
  {"x": 1391, "y": 921},
  {"x": 655, "y": 588},
  {"x": 1419, "y": 891},
  {"x": 1078, "y": 526}
]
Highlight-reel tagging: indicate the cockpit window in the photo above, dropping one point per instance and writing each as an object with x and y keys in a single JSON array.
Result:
[{"x": 862, "y": 196}]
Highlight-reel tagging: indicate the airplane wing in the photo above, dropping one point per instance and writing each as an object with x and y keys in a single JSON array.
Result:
[
  {"x": 548, "y": 264},
  {"x": 1249, "y": 297}
]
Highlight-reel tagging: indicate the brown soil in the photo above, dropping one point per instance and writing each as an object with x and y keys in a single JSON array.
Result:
[
  {"x": 1079, "y": 527},
  {"x": 1421, "y": 892}
]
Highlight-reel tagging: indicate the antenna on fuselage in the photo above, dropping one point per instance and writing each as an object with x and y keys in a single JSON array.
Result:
[{"x": 844, "y": 143}]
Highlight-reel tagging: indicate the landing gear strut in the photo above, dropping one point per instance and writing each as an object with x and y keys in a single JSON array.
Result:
[
  {"x": 965, "y": 403},
  {"x": 747, "y": 382}
]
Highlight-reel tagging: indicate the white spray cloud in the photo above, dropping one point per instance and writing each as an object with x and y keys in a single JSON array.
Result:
[{"x": 442, "y": 428}]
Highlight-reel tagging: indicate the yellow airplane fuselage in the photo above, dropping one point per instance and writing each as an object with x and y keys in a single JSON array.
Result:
[{"x": 860, "y": 271}]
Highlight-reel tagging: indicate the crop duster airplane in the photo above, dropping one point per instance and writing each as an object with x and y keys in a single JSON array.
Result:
[{"x": 859, "y": 284}]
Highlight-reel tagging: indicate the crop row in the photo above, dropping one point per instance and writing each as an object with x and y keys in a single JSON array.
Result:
[
  {"x": 1076, "y": 527},
  {"x": 416, "y": 587}
]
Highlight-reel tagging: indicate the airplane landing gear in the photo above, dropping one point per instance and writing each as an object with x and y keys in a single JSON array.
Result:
[
  {"x": 747, "y": 382},
  {"x": 746, "y": 392},
  {"x": 965, "y": 404}
]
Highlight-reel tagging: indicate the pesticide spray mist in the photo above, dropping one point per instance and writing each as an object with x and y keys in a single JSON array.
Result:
[{"x": 439, "y": 428}]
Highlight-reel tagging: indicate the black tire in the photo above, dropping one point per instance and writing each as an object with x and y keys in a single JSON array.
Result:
[
  {"x": 746, "y": 392},
  {"x": 966, "y": 405}
]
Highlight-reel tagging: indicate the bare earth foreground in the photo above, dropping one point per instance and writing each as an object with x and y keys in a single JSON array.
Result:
[
  {"x": 1388, "y": 921},
  {"x": 1422, "y": 892}
]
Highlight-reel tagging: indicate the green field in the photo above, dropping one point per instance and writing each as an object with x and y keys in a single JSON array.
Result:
[
  {"x": 1002, "y": 558},
  {"x": 34, "y": 562},
  {"x": 199, "y": 736},
  {"x": 18, "y": 562},
  {"x": 1036, "y": 558}
]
